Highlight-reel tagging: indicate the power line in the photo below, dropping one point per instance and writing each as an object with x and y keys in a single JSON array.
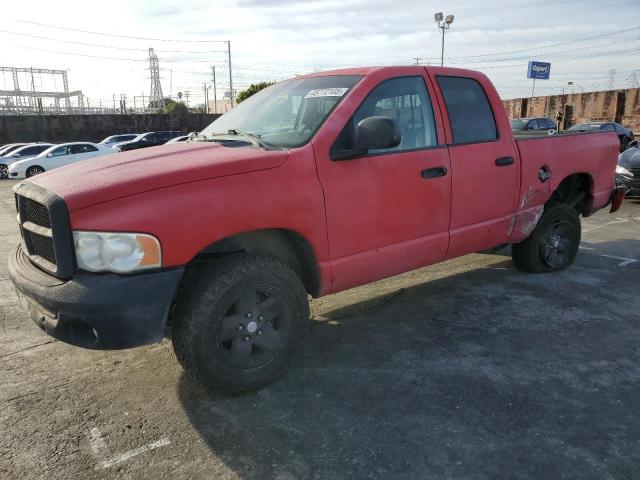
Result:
[
  {"x": 568, "y": 42},
  {"x": 552, "y": 55},
  {"x": 117, "y": 35},
  {"x": 104, "y": 46}
]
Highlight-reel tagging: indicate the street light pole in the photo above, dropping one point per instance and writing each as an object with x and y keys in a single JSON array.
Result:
[{"x": 444, "y": 23}]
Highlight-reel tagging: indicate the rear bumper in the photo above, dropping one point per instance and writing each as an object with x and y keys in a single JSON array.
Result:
[
  {"x": 96, "y": 311},
  {"x": 617, "y": 197}
]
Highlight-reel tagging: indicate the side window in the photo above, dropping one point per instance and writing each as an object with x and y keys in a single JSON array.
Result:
[
  {"x": 468, "y": 109},
  {"x": 404, "y": 99},
  {"x": 82, "y": 148},
  {"x": 164, "y": 136},
  {"x": 89, "y": 148},
  {"x": 607, "y": 127},
  {"x": 58, "y": 152},
  {"x": 30, "y": 151},
  {"x": 150, "y": 138},
  {"x": 533, "y": 125},
  {"x": 618, "y": 128}
]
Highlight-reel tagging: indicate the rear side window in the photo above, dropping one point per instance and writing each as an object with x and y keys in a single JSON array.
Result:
[
  {"x": 33, "y": 150},
  {"x": 83, "y": 148},
  {"x": 533, "y": 125},
  {"x": 469, "y": 110}
]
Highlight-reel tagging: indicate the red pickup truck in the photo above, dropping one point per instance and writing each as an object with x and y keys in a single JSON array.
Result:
[{"x": 312, "y": 186}]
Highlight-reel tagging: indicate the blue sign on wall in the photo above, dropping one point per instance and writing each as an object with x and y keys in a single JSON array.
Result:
[{"x": 539, "y": 70}]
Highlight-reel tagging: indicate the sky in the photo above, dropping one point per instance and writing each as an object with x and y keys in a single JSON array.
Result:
[{"x": 277, "y": 39}]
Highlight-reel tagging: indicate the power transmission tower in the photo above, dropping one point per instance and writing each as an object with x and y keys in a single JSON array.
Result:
[
  {"x": 156, "y": 99},
  {"x": 612, "y": 78},
  {"x": 215, "y": 96}
]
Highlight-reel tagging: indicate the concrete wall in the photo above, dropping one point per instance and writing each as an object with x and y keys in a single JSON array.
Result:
[
  {"x": 622, "y": 106},
  {"x": 69, "y": 128}
]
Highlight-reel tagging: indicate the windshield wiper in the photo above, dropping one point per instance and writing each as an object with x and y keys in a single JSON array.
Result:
[{"x": 253, "y": 137}]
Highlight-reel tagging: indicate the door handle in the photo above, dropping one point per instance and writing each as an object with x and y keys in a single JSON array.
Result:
[
  {"x": 504, "y": 161},
  {"x": 433, "y": 172}
]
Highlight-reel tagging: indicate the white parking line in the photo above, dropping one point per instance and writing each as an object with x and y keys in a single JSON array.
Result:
[
  {"x": 128, "y": 455},
  {"x": 613, "y": 222},
  {"x": 625, "y": 261},
  {"x": 100, "y": 450}
]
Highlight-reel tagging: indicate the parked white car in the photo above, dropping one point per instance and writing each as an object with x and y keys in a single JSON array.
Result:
[
  {"x": 182, "y": 138},
  {"x": 21, "y": 153},
  {"x": 57, "y": 156},
  {"x": 113, "y": 139}
]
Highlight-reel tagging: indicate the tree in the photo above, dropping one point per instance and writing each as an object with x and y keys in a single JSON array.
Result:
[
  {"x": 174, "y": 108},
  {"x": 252, "y": 89}
]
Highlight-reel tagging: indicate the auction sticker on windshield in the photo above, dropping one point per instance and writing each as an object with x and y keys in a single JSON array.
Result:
[{"x": 326, "y": 92}]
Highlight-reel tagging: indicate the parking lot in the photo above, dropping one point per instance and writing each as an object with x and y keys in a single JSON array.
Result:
[{"x": 467, "y": 369}]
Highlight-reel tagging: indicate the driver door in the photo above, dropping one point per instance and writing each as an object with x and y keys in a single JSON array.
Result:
[
  {"x": 387, "y": 210},
  {"x": 60, "y": 156}
]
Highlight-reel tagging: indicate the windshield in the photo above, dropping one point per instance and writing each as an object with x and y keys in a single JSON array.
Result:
[
  {"x": 285, "y": 115},
  {"x": 518, "y": 124}
]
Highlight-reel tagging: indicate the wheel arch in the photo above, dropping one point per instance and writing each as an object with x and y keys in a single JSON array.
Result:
[
  {"x": 288, "y": 246},
  {"x": 576, "y": 190}
]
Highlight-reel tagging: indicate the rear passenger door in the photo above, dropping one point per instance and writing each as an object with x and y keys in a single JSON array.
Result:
[
  {"x": 83, "y": 151},
  {"x": 484, "y": 166}
]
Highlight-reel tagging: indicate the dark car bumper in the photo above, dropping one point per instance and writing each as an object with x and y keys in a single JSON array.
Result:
[
  {"x": 632, "y": 184},
  {"x": 97, "y": 311}
]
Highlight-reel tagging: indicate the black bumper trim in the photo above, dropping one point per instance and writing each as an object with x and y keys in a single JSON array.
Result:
[{"x": 97, "y": 311}]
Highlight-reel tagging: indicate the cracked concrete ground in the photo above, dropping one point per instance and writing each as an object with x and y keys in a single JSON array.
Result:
[{"x": 467, "y": 369}]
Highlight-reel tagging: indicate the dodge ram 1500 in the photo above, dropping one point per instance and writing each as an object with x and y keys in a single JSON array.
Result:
[{"x": 312, "y": 186}]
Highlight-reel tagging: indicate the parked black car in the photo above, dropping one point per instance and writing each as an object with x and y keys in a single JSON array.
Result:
[
  {"x": 629, "y": 160},
  {"x": 624, "y": 134},
  {"x": 149, "y": 139},
  {"x": 532, "y": 124}
]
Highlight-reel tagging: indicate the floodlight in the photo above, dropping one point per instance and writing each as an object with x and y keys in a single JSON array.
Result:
[
  {"x": 449, "y": 19},
  {"x": 439, "y": 16}
]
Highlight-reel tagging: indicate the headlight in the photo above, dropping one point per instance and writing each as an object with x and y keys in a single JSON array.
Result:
[
  {"x": 623, "y": 171},
  {"x": 116, "y": 252}
]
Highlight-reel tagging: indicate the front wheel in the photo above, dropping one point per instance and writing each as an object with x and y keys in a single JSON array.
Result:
[
  {"x": 35, "y": 170},
  {"x": 553, "y": 244},
  {"x": 4, "y": 171},
  {"x": 239, "y": 322}
]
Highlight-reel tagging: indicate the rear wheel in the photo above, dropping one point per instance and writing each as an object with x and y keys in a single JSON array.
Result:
[
  {"x": 34, "y": 170},
  {"x": 240, "y": 321},
  {"x": 4, "y": 171},
  {"x": 553, "y": 244}
]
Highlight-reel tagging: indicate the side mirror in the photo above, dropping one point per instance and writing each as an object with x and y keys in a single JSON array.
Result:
[
  {"x": 375, "y": 133},
  {"x": 144, "y": 140},
  {"x": 49, "y": 155}
]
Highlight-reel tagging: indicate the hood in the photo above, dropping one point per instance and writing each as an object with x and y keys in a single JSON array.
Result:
[
  {"x": 630, "y": 157},
  {"x": 16, "y": 161},
  {"x": 108, "y": 177}
]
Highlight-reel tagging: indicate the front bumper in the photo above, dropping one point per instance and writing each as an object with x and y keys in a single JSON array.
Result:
[{"x": 96, "y": 311}]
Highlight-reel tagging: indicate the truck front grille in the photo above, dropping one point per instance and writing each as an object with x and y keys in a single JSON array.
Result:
[
  {"x": 35, "y": 223},
  {"x": 44, "y": 225},
  {"x": 36, "y": 213}
]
